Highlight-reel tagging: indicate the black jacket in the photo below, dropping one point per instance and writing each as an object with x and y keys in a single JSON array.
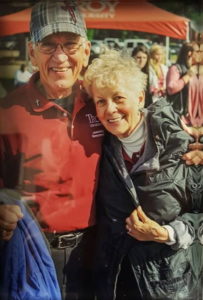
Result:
[{"x": 158, "y": 181}]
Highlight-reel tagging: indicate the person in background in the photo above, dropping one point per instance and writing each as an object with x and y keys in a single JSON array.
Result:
[
  {"x": 178, "y": 78},
  {"x": 21, "y": 76},
  {"x": 141, "y": 55},
  {"x": 142, "y": 196},
  {"x": 157, "y": 72},
  {"x": 195, "y": 101},
  {"x": 50, "y": 146},
  {"x": 183, "y": 87}
]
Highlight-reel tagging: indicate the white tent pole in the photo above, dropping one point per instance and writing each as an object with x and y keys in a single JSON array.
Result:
[
  {"x": 26, "y": 49},
  {"x": 167, "y": 45},
  {"x": 188, "y": 32}
]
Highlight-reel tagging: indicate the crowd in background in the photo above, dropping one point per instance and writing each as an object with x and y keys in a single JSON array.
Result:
[
  {"x": 161, "y": 73},
  {"x": 178, "y": 81}
]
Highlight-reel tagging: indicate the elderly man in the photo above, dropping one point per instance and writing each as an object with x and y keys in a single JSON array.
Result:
[{"x": 50, "y": 144}]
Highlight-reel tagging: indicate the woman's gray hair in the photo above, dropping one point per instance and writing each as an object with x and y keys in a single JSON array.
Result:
[{"x": 111, "y": 69}]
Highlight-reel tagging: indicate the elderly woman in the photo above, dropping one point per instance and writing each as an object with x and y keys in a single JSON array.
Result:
[{"x": 142, "y": 193}]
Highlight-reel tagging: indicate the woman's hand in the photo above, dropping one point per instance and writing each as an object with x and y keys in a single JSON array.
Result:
[{"x": 142, "y": 228}]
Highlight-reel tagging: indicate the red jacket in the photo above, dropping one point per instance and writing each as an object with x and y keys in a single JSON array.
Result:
[{"x": 51, "y": 158}]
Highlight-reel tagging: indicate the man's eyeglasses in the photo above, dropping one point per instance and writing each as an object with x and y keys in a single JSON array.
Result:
[{"x": 69, "y": 48}]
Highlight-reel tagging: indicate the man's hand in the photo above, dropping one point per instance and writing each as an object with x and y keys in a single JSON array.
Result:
[
  {"x": 194, "y": 157},
  {"x": 9, "y": 216},
  {"x": 196, "y": 132},
  {"x": 143, "y": 228}
]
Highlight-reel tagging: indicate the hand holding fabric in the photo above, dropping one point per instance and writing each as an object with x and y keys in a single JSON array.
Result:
[
  {"x": 9, "y": 216},
  {"x": 142, "y": 228}
]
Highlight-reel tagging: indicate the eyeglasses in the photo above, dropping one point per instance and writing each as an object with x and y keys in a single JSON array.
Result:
[{"x": 69, "y": 48}]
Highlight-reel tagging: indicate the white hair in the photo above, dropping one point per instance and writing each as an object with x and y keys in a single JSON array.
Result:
[{"x": 113, "y": 68}]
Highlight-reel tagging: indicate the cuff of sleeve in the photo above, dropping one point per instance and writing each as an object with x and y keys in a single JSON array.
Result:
[{"x": 171, "y": 233}]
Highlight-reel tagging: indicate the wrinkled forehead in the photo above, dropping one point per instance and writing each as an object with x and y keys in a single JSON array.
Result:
[{"x": 114, "y": 82}]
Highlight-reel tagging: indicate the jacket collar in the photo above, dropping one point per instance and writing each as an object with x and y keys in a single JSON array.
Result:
[
  {"x": 150, "y": 157},
  {"x": 40, "y": 103}
]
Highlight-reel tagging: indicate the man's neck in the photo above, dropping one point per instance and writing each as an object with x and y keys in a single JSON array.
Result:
[{"x": 53, "y": 94}]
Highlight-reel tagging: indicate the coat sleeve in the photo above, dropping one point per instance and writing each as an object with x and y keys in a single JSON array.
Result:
[
  {"x": 184, "y": 232},
  {"x": 174, "y": 81}
]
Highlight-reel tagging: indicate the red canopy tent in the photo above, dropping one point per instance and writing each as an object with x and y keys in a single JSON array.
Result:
[{"x": 112, "y": 14}]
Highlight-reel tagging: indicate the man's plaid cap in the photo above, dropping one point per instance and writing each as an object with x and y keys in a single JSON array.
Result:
[{"x": 50, "y": 17}]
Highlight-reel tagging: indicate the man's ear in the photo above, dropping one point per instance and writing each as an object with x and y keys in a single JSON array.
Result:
[
  {"x": 31, "y": 53},
  {"x": 141, "y": 99},
  {"x": 86, "y": 53}
]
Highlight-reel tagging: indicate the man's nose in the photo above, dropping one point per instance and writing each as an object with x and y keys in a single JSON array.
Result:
[{"x": 59, "y": 53}]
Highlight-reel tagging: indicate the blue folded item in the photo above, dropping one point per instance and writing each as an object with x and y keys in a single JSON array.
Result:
[{"x": 27, "y": 271}]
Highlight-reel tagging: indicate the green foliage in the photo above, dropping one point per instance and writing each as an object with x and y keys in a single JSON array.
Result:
[
  {"x": 100, "y": 34},
  {"x": 186, "y": 8}
]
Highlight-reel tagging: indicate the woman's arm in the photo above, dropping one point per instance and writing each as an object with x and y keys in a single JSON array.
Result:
[
  {"x": 174, "y": 82},
  {"x": 143, "y": 228}
]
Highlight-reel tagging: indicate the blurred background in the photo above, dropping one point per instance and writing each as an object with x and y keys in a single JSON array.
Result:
[{"x": 13, "y": 48}]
